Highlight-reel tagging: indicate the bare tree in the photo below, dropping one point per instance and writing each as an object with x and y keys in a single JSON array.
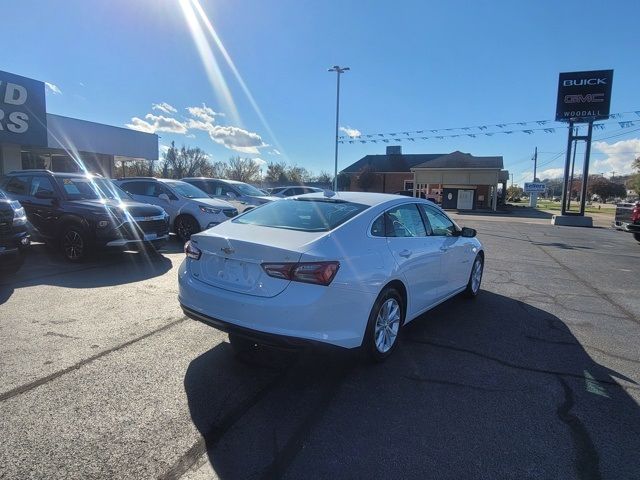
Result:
[
  {"x": 186, "y": 162},
  {"x": 215, "y": 170},
  {"x": 324, "y": 177},
  {"x": 298, "y": 174},
  {"x": 277, "y": 173},
  {"x": 243, "y": 169}
]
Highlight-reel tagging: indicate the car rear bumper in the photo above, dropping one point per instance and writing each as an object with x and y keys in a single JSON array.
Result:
[
  {"x": 301, "y": 314},
  {"x": 627, "y": 227}
]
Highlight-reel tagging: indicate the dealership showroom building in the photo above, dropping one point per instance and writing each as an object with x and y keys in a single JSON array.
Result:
[{"x": 30, "y": 137}]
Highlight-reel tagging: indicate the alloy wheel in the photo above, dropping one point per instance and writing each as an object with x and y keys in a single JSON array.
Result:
[
  {"x": 73, "y": 245},
  {"x": 387, "y": 325},
  {"x": 476, "y": 275}
]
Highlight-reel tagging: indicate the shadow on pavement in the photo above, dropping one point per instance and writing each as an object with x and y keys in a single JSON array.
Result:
[
  {"x": 511, "y": 212},
  {"x": 491, "y": 388},
  {"x": 45, "y": 266}
]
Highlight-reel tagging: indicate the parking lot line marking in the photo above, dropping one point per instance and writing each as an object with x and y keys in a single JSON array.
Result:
[{"x": 41, "y": 381}]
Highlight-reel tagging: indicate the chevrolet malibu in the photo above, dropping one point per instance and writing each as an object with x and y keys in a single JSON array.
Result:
[{"x": 347, "y": 269}]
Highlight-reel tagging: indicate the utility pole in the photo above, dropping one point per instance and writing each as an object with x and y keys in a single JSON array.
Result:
[
  {"x": 339, "y": 70},
  {"x": 533, "y": 197}
]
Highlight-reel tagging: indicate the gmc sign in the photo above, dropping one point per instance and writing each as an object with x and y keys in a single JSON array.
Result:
[{"x": 584, "y": 96}]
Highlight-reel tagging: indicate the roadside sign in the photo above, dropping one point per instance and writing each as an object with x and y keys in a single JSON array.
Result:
[
  {"x": 534, "y": 187},
  {"x": 584, "y": 96}
]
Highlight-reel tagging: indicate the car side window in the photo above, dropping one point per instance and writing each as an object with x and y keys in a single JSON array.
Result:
[
  {"x": 440, "y": 225},
  {"x": 18, "y": 185},
  {"x": 41, "y": 185},
  {"x": 135, "y": 188},
  {"x": 404, "y": 221},
  {"x": 377, "y": 229}
]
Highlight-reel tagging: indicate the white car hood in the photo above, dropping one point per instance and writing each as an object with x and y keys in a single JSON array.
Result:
[{"x": 213, "y": 202}]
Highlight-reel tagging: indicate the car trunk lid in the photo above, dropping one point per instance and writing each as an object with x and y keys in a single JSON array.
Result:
[{"x": 233, "y": 254}]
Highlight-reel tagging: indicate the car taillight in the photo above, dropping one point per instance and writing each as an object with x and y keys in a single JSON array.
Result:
[
  {"x": 635, "y": 214},
  {"x": 319, "y": 273},
  {"x": 191, "y": 251}
]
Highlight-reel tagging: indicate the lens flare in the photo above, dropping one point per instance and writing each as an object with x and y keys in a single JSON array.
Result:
[
  {"x": 225, "y": 54},
  {"x": 209, "y": 61}
]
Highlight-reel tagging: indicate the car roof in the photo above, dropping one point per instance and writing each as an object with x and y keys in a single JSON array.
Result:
[
  {"x": 34, "y": 171},
  {"x": 224, "y": 180},
  {"x": 365, "y": 198}
]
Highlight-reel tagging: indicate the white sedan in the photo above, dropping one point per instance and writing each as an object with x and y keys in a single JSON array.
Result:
[{"x": 348, "y": 269}]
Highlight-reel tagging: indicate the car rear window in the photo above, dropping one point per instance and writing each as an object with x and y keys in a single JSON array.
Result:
[{"x": 305, "y": 214}]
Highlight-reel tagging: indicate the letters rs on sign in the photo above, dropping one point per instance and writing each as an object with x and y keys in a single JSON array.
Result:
[
  {"x": 534, "y": 187},
  {"x": 23, "y": 116}
]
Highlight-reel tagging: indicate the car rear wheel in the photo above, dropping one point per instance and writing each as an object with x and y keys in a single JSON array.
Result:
[
  {"x": 475, "y": 278},
  {"x": 385, "y": 322},
  {"x": 74, "y": 243},
  {"x": 185, "y": 226}
]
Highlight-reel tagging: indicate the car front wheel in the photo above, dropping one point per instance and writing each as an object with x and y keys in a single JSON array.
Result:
[
  {"x": 475, "y": 278},
  {"x": 185, "y": 226},
  {"x": 74, "y": 243},
  {"x": 385, "y": 322}
]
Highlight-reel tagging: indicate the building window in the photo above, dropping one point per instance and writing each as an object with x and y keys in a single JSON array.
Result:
[
  {"x": 408, "y": 185},
  {"x": 31, "y": 160}
]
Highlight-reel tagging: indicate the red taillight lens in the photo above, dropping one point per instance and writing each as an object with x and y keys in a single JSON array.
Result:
[
  {"x": 635, "y": 214},
  {"x": 191, "y": 251},
  {"x": 319, "y": 273}
]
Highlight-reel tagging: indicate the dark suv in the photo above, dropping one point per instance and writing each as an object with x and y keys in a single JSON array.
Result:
[
  {"x": 14, "y": 237},
  {"x": 79, "y": 212}
]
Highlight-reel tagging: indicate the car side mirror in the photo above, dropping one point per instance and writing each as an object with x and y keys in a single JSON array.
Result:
[
  {"x": 468, "y": 232},
  {"x": 164, "y": 196}
]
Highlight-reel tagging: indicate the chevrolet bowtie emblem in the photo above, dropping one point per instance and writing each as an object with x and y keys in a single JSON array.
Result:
[{"x": 228, "y": 250}]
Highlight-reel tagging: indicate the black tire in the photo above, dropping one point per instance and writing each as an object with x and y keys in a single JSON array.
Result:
[
  {"x": 636, "y": 235},
  {"x": 74, "y": 243},
  {"x": 185, "y": 226},
  {"x": 473, "y": 288},
  {"x": 377, "y": 349}
]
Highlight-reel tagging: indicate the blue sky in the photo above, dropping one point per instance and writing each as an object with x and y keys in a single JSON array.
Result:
[{"x": 415, "y": 65}]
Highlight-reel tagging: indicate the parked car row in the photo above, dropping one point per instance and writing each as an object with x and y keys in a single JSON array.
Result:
[{"x": 80, "y": 213}]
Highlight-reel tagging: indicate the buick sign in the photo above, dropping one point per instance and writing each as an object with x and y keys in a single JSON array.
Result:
[
  {"x": 584, "y": 96},
  {"x": 23, "y": 115}
]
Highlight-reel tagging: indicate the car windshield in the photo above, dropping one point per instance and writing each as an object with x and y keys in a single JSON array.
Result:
[
  {"x": 275, "y": 191},
  {"x": 185, "y": 189},
  {"x": 249, "y": 190},
  {"x": 305, "y": 214},
  {"x": 91, "y": 188}
]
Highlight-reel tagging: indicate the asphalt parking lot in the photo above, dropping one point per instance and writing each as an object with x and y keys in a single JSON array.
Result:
[{"x": 538, "y": 378}]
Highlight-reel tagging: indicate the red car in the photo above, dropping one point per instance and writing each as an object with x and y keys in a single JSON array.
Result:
[{"x": 628, "y": 218}]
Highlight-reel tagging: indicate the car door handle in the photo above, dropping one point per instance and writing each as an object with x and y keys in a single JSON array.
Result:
[{"x": 405, "y": 253}]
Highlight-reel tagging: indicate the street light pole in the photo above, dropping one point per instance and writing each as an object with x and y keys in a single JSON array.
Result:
[{"x": 338, "y": 70}]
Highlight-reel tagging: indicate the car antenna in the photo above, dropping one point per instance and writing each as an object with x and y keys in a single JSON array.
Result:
[{"x": 329, "y": 193}]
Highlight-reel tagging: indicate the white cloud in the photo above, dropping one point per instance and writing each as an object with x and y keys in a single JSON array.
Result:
[
  {"x": 204, "y": 113},
  {"x": 191, "y": 135},
  {"x": 275, "y": 151},
  {"x": 163, "y": 107},
  {"x": 237, "y": 139},
  {"x": 260, "y": 161},
  {"x": 163, "y": 148},
  {"x": 551, "y": 173},
  {"x": 157, "y": 123},
  {"x": 619, "y": 156},
  {"x": 351, "y": 132},
  {"x": 50, "y": 87}
]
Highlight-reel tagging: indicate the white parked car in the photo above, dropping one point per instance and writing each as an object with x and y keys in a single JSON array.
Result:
[
  {"x": 346, "y": 269},
  {"x": 190, "y": 209},
  {"x": 240, "y": 194}
]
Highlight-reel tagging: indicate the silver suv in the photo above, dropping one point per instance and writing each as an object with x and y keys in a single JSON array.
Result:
[
  {"x": 241, "y": 194},
  {"x": 189, "y": 208}
]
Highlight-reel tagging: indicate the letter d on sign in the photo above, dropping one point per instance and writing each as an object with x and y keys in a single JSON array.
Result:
[{"x": 15, "y": 94}]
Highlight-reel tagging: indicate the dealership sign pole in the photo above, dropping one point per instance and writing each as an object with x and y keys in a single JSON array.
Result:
[{"x": 583, "y": 97}]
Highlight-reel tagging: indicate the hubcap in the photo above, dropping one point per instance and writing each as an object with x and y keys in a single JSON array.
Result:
[
  {"x": 476, "y": 275},
  {"x": 73, "y": 245},
  {"x": 387, "y": 325}
]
